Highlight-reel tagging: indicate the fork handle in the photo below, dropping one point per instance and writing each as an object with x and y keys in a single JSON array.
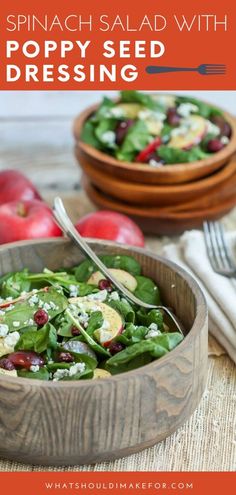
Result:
[{"x": 153, "y": 69}]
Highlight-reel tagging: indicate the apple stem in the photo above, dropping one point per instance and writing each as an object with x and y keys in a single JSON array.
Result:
[{"x": 21, "y": 210}]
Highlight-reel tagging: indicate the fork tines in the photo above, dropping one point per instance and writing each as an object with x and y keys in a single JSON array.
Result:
[
  {"x": 218, "y": 250},
  {"x": 215, "y": 69}
]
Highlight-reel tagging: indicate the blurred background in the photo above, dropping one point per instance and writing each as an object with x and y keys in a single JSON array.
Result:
[{"x": 36, "y": 132}]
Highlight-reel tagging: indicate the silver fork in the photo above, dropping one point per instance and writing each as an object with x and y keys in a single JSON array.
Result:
[
  {"x": 68, "y": 228},
  {"x": 203, "y": 69},
  {"x": 218, "y": 250}
]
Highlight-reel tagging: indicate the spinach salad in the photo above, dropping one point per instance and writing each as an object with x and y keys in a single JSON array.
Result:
[
  {"x": 72, "y": 324},
  {"x": 156, "y": 129}
]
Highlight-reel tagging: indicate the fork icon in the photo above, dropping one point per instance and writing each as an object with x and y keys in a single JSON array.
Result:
[{"x": 203, "y": 69}]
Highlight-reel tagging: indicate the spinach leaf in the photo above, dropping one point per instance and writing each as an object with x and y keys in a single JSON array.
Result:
[
  {"x": 132, "y": 334},
  {"x": 156, "y": 347},
  {"x": 167, "y": 341},
  {"x": 86, "y": 289},
  {"x": 146, "y": 318},
  {"x": 165, "y": 132},
  {"x": 3, "y": 278},
  {"x": 58, "y": 366},
  {"x": 42, "y": 374},
  {"x": 16, "y": 283},
  {"x": 124, "y": 308},
  {"x": 29, "y": 328},
  {"x": 84, "y": 375},
  {"x": 103, "y": 111},
  {"x": 133, "y": 364},
  {"x": 90, "y": 341},
  {"x": 88, "y": 135},
  {"x": 63, "y": 324},
  {"x": 143, "y": 98},
  {"x": 21, "y": 315},
  {"x": 147, "y": 290},
  {"x": 104, "y": 126},
  {"x": 90, "y": 365},
  {"x": 136, "y": 139},
  {"x": 122, "y": 262},
  {"x": 204, "y": 109},
  {"x": 23, "y": 312},
  {"x": 175, "y": 155},
  {"x": 78, "y": 358},
  {"x": 95, "y": 321},
  {"x": 38, "y": 341},
  {"x": 61, "y": 279}
]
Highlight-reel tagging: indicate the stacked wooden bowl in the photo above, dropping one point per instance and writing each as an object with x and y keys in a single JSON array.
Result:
[{"x": 165, "y": 200}]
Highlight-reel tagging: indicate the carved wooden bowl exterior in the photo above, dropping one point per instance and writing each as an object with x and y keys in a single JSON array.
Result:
[{"x": 68, "y": 423}]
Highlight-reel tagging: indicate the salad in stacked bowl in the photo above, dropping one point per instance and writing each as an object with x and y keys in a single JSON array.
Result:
[{"x": 156, "y": 129}]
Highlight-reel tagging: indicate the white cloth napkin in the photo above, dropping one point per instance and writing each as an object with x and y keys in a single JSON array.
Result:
[{"x": 220, "y": 292}]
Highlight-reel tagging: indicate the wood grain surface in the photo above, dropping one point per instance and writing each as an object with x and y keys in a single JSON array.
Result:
[
  {"x": 164, "y": 195},
  {"x": 90, "y": 421},
  {"x": 164, "y": 221}
]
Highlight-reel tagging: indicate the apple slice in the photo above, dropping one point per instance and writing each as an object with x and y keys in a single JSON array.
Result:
[
  {"x": 112, "y": 324},
  {"x": 122, "y": 276},
  {"x": 154, "y": 125},
  {"x": 189, "y": 133},
  {"x": 99, "y": 373},
  {"x": 8, "y": 372},
  {"x": 5, "y": 348},
  {"x": 130, "y": 110}
]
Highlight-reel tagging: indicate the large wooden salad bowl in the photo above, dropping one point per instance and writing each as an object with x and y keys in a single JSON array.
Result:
[{"x": 63, "y": 423}]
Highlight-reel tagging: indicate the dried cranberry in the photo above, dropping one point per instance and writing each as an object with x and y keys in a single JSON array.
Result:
[
  {"x": 105, "y": 284},
  {"x": 65, "y": 357},
  {"x": 6, "y": 364},
  {"x": 122, "y": 129},
  {"x": 115, "y": 347},
  {"x": 173, "y": 118},
  {"x": 225, "y": 129},
  {"x": 25, "y": 359},
  {"x": 214, "y": 145},
  {"x": 41, "y": 317},
  {"x": 75, "y": 331}
]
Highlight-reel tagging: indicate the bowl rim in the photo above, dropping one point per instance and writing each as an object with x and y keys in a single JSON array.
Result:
[
  {"x": 200, "y": 317},
  {"x": 221, "y": 155}
]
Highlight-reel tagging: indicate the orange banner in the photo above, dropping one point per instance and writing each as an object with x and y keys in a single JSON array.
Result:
[
  {"x": 106, "y": 45},
  {"x": 95, "y": 483}
]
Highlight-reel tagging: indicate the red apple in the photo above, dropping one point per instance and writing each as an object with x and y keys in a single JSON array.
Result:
[
  {"x": 112, "y": 226},
  {"x": 20, "y": 220},
  {"x": 14, "y": 186}
]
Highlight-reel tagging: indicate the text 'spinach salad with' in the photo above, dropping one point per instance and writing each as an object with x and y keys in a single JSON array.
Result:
[
  {"x": 72, "y": 324},
  {"x": 157, "y": 130}
]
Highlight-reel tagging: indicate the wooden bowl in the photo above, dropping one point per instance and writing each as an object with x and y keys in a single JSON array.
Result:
[
  {"x": 65, "y": 423},
  {"x": 160, "y": 195},
  {"x": 137, "y": 172},
  {"x": 167, "y": 221}
]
